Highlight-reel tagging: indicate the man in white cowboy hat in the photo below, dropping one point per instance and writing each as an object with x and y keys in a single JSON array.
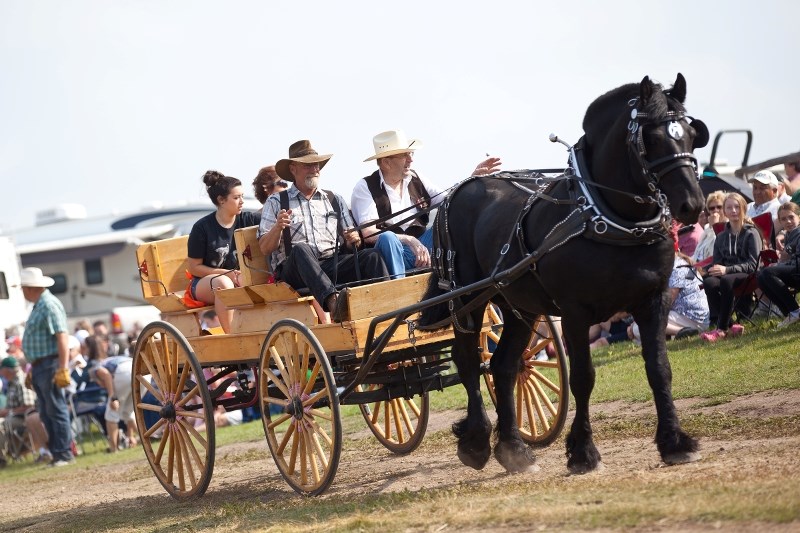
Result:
[
  {"x": 302, "y": 226},
  {"x": 45, "y": 344},
  {"x": 404, "y": 241},
  {"x": 765, "y": 195}
]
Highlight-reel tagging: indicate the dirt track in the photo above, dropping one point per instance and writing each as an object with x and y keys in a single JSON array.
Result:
[{"x": 246, "y": 469}]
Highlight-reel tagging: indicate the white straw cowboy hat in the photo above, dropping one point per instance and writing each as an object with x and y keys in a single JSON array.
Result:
[
  {"x": 300, "y": 152},
  {"x": 32, "y": 277},
  {"x": 393, "y": 142}
]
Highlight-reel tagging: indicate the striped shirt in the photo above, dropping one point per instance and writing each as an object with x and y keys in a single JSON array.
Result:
[
  {"x": 47, "y": 318},
  {"x": 313, "y": 222}
]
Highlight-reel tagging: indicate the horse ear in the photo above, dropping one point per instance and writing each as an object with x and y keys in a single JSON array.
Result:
[
  {"x": 645, "y": 89},
  {"x": 702, "y": 136},
  {"x": 678, "y": 91}
]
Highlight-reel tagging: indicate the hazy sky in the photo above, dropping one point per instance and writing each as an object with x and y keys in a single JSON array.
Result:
[{"x": 118, "y": 104}]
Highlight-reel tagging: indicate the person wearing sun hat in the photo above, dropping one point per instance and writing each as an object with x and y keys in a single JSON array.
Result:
[
  {"x": 302, "y": 226},
  {"x": 45, "y": 344},
  {"x": 19, "y": 400},
  {"x": 404, "y": 241}
]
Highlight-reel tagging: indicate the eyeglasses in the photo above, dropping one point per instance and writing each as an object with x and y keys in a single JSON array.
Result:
[{"x": 714, "y": 208}]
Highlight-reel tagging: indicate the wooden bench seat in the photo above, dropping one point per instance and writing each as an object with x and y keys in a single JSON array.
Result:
[{"x": 163, "y": 265}]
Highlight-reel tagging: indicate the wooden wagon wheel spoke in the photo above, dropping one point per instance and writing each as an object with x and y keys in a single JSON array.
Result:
[
  {"x": 542, "y": 391},
  {"x": 300, "y": 407},
  {"x": 398, "y": 423},
  {"x": 168, "y": 384}
]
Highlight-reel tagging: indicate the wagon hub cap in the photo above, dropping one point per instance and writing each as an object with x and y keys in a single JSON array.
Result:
[
  {"x": 295, "y": 408},
  {"x": 168, "y": 412}
]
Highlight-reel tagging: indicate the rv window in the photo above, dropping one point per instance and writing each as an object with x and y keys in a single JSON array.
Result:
[
  {"x": 60, "y": 286},
  {"x": 94, "y": 271},
  {"x": 3, "y": 287}
]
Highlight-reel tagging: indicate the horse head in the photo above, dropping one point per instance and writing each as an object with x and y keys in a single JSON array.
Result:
[{"x": 660, "y": 140}]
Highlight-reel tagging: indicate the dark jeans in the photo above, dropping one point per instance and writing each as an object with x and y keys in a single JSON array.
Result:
[
  {"x": 53, "y": 409},
  {"x": 302, "y": 269},
  {"x": 775, "y": 280},
  {"x": 719, "y": 291}
]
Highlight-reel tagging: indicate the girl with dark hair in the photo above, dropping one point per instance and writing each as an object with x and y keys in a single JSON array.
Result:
[
  {"x": 212, "y": 251},
  {"x": 736, "y": 251}
]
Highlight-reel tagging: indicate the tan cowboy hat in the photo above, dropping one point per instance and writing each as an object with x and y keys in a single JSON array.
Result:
[
  {"x": 32, "y": 277},
  {"x": 300, "y": 152},
  {"x": 393, "y": 142}
]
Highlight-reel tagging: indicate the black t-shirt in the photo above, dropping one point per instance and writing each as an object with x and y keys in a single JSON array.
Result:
[{"x": 214, "y": 244}]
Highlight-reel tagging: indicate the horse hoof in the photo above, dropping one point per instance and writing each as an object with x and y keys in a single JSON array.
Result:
[
  {"x": 474, "y": 460},
  {"x": 680, "y": 458},
  {"x": 578, "y": 469},
  {"x": 515, "y": 457}
]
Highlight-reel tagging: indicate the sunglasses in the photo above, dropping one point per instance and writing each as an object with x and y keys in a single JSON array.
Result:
[{"x": 714, "y": 208}]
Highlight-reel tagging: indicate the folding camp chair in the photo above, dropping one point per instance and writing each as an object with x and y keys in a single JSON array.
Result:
[
  {"x": 88, "y": 407},
  {"x": 748, "y": 289},
  {"x": 18, "y": 441}
]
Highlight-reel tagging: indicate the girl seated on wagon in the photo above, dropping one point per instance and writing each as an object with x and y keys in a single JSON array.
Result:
[{"x": 213, "y": 263}]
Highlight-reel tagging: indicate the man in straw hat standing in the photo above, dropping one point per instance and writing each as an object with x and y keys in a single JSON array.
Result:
[
  {"x": 301, "y": 227},
  {"x": 45, "y": 344},
  {"x": 404, "y": 241}
]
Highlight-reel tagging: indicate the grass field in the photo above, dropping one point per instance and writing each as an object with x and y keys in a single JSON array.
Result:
[{"x": 748, "y": 480}]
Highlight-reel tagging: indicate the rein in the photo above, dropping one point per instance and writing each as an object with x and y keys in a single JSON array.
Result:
[{"x": 590, "y": 217}]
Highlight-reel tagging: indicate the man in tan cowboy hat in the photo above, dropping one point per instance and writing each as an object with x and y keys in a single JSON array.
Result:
[
  {"x": 404, "y": 241},
  {"x": 45, "y": 344},
  {"x": 302, "y": 226}
]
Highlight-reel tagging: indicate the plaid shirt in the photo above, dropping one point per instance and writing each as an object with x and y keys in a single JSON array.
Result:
[
  {"x": 313, "y": 222},
  {"x": 17, "y": 394},
  {"x": 47, "y": 318}
]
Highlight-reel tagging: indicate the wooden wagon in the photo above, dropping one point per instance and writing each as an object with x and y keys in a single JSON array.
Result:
[{"x": 298, "y": 371}]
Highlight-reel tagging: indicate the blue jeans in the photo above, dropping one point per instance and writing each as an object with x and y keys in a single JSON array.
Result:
[
  {"x": 53, "y": 409},
  {"x": 397, "y": 256}
]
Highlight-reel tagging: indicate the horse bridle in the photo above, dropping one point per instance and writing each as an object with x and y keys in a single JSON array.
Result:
[{"x": 650, "y": 169}]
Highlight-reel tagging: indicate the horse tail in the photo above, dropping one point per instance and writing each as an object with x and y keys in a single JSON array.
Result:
[{"x": 435, "y": 313}]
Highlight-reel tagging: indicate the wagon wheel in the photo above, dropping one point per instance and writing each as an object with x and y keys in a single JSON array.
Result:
[
  {"x": 174, "y": 413},
  {"x": 542, "y": 405},
  {"x": 400, "y": 423},
  {"x": 300, "y": 407}
]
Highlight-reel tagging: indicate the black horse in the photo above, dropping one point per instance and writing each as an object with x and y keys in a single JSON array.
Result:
[{"x": 582, "y": 245}]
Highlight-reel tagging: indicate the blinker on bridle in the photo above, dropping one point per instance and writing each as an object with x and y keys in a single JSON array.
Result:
[{"x": 672, "y": 123}]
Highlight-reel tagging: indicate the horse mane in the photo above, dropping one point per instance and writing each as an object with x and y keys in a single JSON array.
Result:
[{"x": 606, "y": 108}]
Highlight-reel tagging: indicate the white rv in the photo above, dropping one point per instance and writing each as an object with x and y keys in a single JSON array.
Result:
[
  {"x": 93, "y": 260},
  {"x": 13, "y": 310}
]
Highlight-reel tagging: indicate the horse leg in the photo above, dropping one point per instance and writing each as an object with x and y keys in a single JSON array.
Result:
[
  {"x": 474, "y": 431},
  {"x": 582, "y": 455},
  {"x": 510, "y": 451},
  {"x": 674, "y": 445}
]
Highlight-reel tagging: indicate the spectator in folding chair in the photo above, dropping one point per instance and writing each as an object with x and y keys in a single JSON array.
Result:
[
  {"x": 777, "y": 280},
  {"x": 714, "y": 215},
  {"x": 19, "y": 400},
  {"x": 736, "y": 252},
  {"x": 792, "y": 181},
  {"x": 765, "y": 196}
]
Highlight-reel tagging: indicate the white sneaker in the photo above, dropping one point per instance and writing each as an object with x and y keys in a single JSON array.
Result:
[
  {"x": 789, "y": 320},
  {"x": 542, "y": 356}
]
